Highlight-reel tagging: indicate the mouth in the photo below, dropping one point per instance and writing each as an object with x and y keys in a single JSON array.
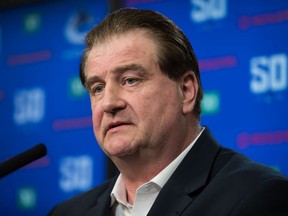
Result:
[{"x": 115, "y": 125}]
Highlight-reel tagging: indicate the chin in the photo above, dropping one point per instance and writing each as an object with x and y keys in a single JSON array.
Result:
[
  {"x": 120, "y": 147},
  {"x": 120, "y": 153}
]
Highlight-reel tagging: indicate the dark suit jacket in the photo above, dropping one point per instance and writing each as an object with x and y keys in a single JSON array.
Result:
[{"x": 210, "y": 181}]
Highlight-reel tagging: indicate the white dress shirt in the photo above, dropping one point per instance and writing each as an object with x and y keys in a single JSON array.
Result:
[{"x": 146, "y": 194}]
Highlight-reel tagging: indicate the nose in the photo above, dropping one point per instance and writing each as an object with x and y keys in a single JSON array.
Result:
[{"x": 113, "y": 100}]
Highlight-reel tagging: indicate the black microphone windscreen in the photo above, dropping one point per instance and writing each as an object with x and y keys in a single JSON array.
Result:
[{"x": 22, "y": 159}]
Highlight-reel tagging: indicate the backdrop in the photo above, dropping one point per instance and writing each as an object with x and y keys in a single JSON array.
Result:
[{"x": 243, "y": 55}]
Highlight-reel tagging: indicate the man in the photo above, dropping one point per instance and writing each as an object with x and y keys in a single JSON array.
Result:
[{"x": 145, "y": 90}]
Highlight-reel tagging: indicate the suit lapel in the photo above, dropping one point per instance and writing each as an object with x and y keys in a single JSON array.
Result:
[
  {"x": 102, "y": 205},
  {"x": 189, "y": 179}
]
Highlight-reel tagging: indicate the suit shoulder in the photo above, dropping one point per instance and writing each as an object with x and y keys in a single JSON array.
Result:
[
  {"x": 265, "y": 199},
  {"x": 94, "y": 192},
  {"x": 236, "y": 165},
  {"x": 84, "y": 200}
]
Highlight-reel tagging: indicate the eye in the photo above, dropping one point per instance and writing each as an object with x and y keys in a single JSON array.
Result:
[
  {"x": 97, "y": 89},
  {"x": 130, "y": 81}
]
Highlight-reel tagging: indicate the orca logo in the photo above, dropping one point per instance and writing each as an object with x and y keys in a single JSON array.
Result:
[
  {"x": 27, "y": 198},
  {"x": 210, "y": 103},
  {"x": 32, "y": 23},
  {"x": 204, "y": 10},
  {"x": 76, "y": 89},
  {"x": 269, "y": 73},
  {"x": 77, "y": 27}
]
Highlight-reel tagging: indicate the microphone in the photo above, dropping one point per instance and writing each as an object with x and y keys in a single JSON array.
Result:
[{"x": 22, "y": 159}]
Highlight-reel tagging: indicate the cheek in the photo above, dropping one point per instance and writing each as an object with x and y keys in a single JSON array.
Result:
[
  {"x": 156, "y": 106},
  {"x": 96, "y": 119},
  {"x": 168, "y": 105}
]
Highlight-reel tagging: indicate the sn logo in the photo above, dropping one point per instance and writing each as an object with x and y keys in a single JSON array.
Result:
[
  {"x": 269, "y": 73},
  {"x": 29, "y": 106},
  {"x": 76, "y": 173},
  {"x": 204, "y": 10}
]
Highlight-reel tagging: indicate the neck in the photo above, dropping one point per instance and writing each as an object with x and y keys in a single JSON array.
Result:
[
  {"x": 135, "y": 173},
  {"x": 144, "y": 165}
]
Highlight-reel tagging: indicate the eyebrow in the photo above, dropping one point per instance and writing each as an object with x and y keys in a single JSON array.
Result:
[
  {"x": 89, "y": 82},
  {"x": 129, "y": 67},
  {"x": 118, "y": 70}
]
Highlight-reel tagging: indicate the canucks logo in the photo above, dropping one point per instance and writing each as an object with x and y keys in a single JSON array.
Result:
[{"x": 77, "y": 27}]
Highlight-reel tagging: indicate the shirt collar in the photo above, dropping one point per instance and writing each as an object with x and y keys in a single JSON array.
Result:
[
  {"x": 119, "y": 192},
  {"x": 167, "y": 172}
]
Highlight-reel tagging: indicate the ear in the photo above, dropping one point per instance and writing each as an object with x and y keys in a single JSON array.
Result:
[{"x": 189, "y": 91}]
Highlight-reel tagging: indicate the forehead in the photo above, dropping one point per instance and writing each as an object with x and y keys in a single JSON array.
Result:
[
  {"x": 133, "y": 40},
  {"x": 127, "y": 48}
]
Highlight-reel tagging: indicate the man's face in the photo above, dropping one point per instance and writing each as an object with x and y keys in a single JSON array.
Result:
[{"x": 135, "y": 107}]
